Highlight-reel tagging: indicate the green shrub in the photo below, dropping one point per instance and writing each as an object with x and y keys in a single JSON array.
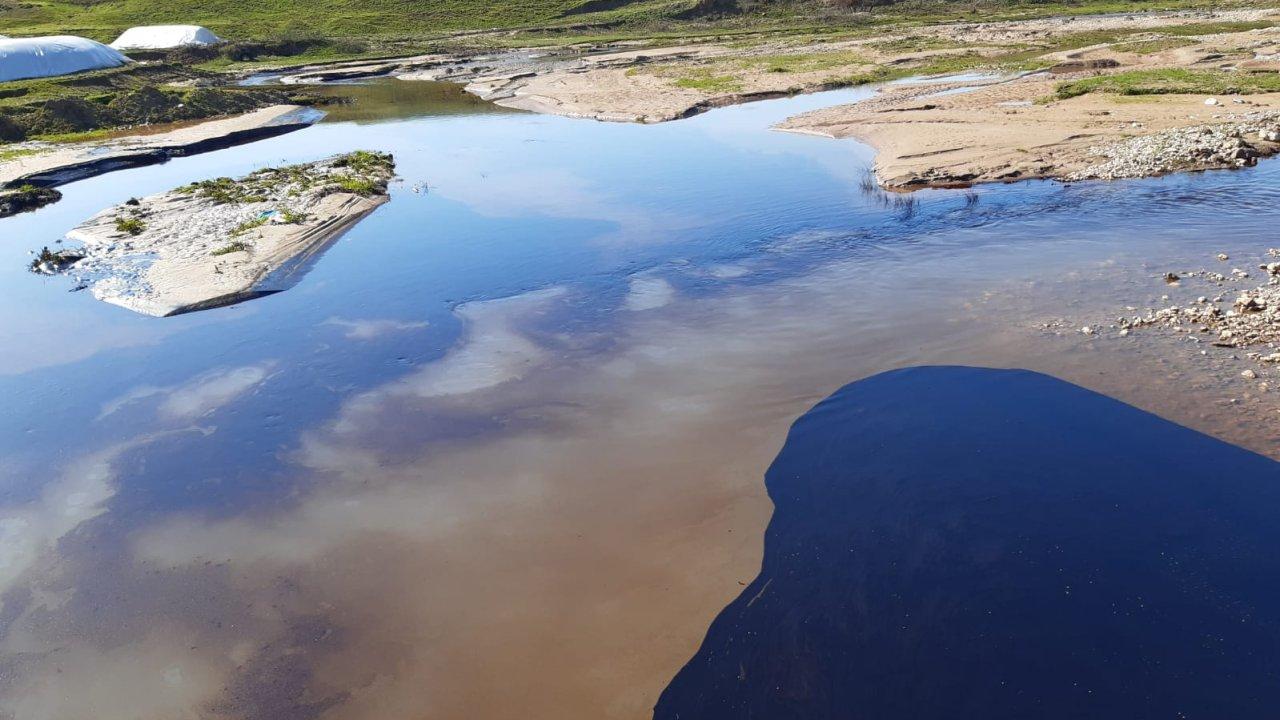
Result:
[
  {"x": 130, "y": 225},
  {"x": 248, "y": 225}
]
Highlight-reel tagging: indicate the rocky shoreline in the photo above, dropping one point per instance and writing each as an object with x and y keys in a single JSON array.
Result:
[
  {"x": 221, "y": 241},
  {"x": 1225, "y": 312},
  {"x": 1230, "y": 144}
]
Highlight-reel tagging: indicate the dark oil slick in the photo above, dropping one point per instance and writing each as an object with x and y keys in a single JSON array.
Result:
[{"x": 954, "y": 542}]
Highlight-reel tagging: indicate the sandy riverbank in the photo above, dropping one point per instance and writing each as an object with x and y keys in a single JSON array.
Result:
[
  {"x": 930, "y": 134},
  {"x": 1002, "y": 132},
  {"x": 47, "y": 165},
  {"x": 220, "y": 242},
  {"x": 1124, "y": 109}
]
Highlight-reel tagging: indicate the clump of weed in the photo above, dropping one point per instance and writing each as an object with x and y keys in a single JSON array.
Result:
[
  {"x": 868, "y": 183},
  {"x": 130, "y": 225},
  {"x": 231, "y": 247},
  {"x": 248, "y": 225},
  {"x": 358, "y": 186},
  {"x": 49, "y": 261},
  {"x": 366, "y": 162},
  {"x": 290, "y": 217},
  {"x": 706, "y": 82},
  {"x": 362, "y": 172},
  {"x": 223, "y": 191},
  {"x": 1154, "y": 45}
]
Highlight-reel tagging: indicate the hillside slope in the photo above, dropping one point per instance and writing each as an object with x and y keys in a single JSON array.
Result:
[
  {"x": 343, "y": 18},
  {"x": 418, "y": 19}
]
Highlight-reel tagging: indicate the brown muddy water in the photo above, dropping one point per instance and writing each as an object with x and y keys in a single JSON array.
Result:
[{"x": 501, "y": 452}]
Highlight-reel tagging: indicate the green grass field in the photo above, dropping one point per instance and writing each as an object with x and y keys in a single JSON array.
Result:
[
  {"x": 545, "y": 21},
  {"x": 237, "y": 19}
]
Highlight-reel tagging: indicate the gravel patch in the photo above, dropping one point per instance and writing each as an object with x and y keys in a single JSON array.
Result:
[{"x": 1233, "y": 144}]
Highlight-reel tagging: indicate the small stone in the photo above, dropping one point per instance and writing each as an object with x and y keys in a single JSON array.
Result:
[
  {"x": 1124, "y": 332},
  {"x": 1249, "y": 303},
  {"x": 1086, "y": 330},
  {"x": 1171, "y": 278},
  {"x": 1211, "y": 101},
  {"x": 1249, "y": 375},
  {"x": 1223, "y": 257}
]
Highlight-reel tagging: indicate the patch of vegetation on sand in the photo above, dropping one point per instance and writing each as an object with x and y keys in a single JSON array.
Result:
[
  {"x": 803, "y": 62},
  {"x": 26, "y": 198},
  {"x": 223, "y": 191},
  {"x": 1171, "y": 81},
  {"x": 1215, "y": 28},
  {"x": 197, "y": 251},
  {"x": 291, "y": 217},
  {"x": 17, "y": 153},
  {"x": 363, "y": 187},
  {"x": 918, "y": 43},
  {"x": 248, "y": 225},
  {"x": 705, "y": 80},
  {"x": 1019, "y": 58},
  {"x": 733, "y": 75},
  {"x": 1154, "y": 45},
  {"x": 130, "y": 225},
  {"x": 361, "y": 172},
  {"x": 231, "y": 247}
]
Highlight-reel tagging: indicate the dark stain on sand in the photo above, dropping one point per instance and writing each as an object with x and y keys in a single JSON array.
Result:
[{"x": 953, "y": 542}]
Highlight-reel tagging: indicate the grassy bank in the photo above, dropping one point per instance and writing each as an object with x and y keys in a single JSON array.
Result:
[
  {"x": 76, "y": 107},
  {"x": 1172, "y": 81}
]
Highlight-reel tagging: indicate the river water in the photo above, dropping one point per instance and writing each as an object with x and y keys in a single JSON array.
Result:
[{"x": 501, "y": 451}]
